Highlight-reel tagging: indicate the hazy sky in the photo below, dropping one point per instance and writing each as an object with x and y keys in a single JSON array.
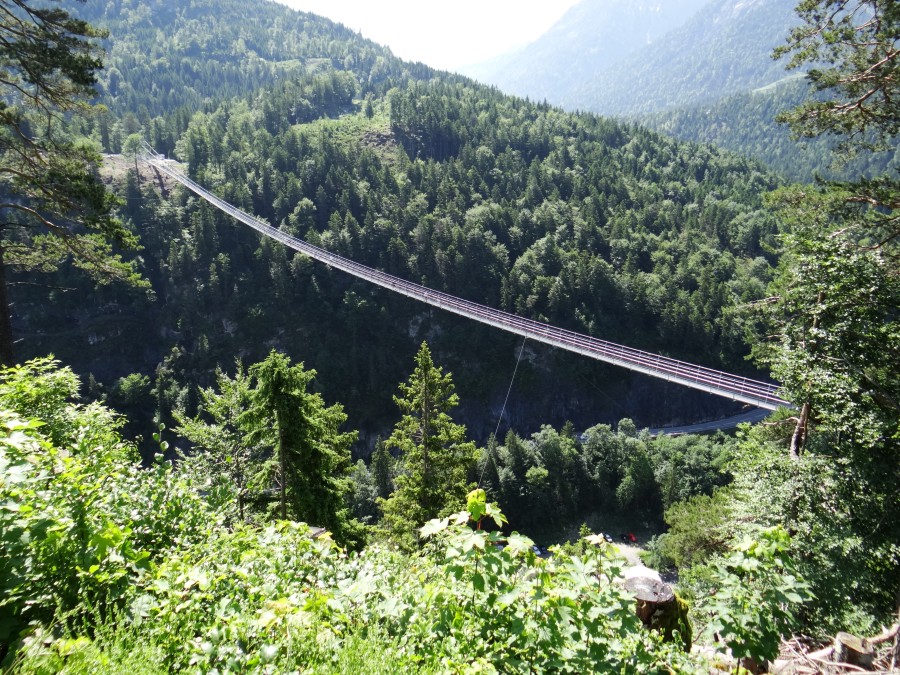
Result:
[{"x": 443, "y": 34}]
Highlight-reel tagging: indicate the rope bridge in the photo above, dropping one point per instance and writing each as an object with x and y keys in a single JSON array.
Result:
[{"x": 719, "y": 383}]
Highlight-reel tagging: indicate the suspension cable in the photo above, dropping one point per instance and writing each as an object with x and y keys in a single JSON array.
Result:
[
  {"x": 720, "y": 383},
  {"x": 503, "y": 409}
]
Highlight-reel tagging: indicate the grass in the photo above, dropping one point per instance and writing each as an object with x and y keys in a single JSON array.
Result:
[
  {"x": 118, "y": 647},
  {"x": 354, "y": 129},
  {"x": 115, "y": 649}
]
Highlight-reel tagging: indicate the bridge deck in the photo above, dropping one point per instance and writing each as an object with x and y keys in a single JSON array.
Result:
[{"x": 754, "y": 392}]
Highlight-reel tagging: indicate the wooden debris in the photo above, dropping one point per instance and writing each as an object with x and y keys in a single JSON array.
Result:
[{"x": 847, "y": 654}]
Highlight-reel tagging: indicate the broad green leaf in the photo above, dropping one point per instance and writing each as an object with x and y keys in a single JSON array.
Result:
[
  {"x": 433, "y": 526},
  {"x": 472, "y": 540}
]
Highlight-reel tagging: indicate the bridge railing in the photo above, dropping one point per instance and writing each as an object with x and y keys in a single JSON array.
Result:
[{"x": 747, "y": 390}]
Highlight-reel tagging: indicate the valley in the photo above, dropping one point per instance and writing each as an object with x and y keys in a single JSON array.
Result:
[{"x": 223, "y": 453}]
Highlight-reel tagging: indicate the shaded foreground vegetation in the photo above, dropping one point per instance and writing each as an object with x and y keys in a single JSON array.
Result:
[{"x": 109, "y": 567}]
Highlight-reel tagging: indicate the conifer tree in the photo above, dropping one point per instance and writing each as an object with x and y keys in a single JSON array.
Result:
[
  {"x": 54, "y": 206},
  {"x": 830, "y": 330},
  {"x": 227, "y": 456},
  {"x": 311, "y": 457},
  {"x": 383, "y": 469},
  {"x": 832, "y": 312},
  {"x": 435, "y": 456}
]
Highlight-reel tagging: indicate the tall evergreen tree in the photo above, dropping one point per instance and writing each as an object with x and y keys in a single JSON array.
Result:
[
  {"x": 833, "y": 307},
  {"x": 435, "y": 456},
  {"x": 54, "y": 205},
  {"x": 383, "y": 469},
  {"x": 830, "y": 331},
  {"x": 227, "y": 457},
  {"x": 311, "y": 456}
]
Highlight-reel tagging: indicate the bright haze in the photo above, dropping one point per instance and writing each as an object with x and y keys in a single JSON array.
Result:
[{"x": 441, "y": 33}]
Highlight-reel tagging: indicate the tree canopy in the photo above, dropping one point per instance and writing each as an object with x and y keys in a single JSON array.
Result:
[
  {"x": 829, "y": 329},
  {"x": 834, "y": 304},
  {"x": 54, "y": 205},
  {"x": 851, "y": 48},
  {"x": 310, "y": 458}
]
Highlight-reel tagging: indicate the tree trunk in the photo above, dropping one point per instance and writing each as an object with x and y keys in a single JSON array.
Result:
[
  {"x": 240, "y": 499},
  {"x": 426, "y": 460},
  {"x": 6, "y": 339},
  {"x": 282, "y": 474},
  {"x": 801, "y": 431},
  {"x": 660, "y": 609},
  {"x": 853, "y": 650},
  {"x": 798, "y": 440}
]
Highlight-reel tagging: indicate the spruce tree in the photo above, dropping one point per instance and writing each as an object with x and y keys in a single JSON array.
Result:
[
  {"x": 310, "y": 461},
  {"x": 226, "y": 457},
  {"x": 435, "y": 456},
  {"x": 383, "y": 469},
  {"x": 832, "y": 334}
]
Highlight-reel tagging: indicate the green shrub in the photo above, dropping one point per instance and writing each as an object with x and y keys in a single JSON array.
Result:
[
  {"x": 80, "y": 520},
  {"x": 698, "y": 529},
  {"x": 756, "y": 597}
]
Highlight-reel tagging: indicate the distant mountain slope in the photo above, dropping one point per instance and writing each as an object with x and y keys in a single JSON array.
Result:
[
  {"x": 164, "y": 54},
  {"x": 724, "y": 49},
  {"x": 591, "y": 37},
  {"x": 615, "y": 57},
  {"x": 746, "y": 123}
]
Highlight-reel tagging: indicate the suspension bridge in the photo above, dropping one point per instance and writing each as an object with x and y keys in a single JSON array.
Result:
[{"x": 719, "y": 383}]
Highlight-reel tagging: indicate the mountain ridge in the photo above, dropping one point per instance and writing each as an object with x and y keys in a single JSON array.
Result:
[
  {"x": 558, "y": 58},
  {"x": 699, "y": 51}
]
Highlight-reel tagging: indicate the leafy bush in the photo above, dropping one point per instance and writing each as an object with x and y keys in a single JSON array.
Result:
[
  {"x": 843, "y": 520},
  {"x": 79, "y": 519},
  {"x": 757, "y": 589},
  {"x": 107, "y": 567},
  {"x": 698, "y": 528},
  {"x": 275, "y": 599}
]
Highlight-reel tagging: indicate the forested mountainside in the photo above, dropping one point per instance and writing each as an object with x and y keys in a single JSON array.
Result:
[
  {"x": 700, "y": 73},
  {"x": 120, "y": 553},
  {"x": 595, "y": 226},
  {"x": 590, "y": 38},
  {"x": 701, "y": 53},
  {"x": 162, "y": 56},
  {"x": 746, "y": 123},
  {"x": 725, "y": 48}
]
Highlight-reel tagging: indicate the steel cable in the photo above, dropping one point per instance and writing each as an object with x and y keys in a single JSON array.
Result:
[{"x": 754, "y": 392}]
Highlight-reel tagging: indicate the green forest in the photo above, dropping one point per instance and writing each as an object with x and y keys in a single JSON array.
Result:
[
  {"x": 747, "y": 123},
  {"x": 218, "y": 455},
  {"x": 570, "y": 219}
]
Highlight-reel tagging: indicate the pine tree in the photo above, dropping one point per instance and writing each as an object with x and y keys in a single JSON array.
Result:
[
  {"x": 830, "y": 331},
  {"x": 435, "y": 456},
  {"x": 54, "y": 205}
]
